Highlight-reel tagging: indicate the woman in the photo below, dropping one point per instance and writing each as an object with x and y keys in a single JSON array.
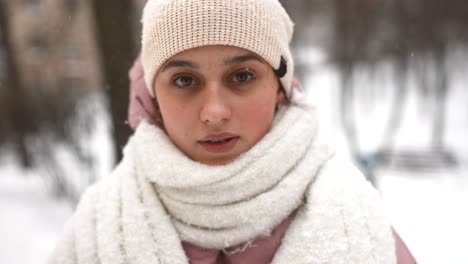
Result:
[{"x": 228, "y": 166}]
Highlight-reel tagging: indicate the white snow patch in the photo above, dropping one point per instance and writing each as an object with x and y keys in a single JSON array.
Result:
[{"x": 31, "y": 220}]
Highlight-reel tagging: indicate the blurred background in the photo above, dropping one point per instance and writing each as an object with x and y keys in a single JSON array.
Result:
[{"x": 389, "y": 79}]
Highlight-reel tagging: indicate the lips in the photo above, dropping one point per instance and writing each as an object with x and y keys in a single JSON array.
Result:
[{"x": 219, "y": 143}]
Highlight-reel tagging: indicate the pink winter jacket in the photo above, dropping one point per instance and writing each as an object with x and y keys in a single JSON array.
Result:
[{"x": 260, "y": 251}]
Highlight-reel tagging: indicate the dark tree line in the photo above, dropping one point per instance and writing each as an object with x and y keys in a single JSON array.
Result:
[
  {"x": 415, "y": 36},
  {"x": 416, "y": 39}
]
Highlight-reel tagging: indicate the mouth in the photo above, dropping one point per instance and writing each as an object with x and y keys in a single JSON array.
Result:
[{"x": 219, "y": 143}]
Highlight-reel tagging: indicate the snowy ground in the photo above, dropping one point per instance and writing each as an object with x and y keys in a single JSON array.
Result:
[
  {"x": 428, "y": 209},
  {"x": 430, "y": 212},
  {"x": 30, "y": 220}
]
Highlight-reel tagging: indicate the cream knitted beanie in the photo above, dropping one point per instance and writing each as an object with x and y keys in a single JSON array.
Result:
[{"x": 260, "y": 26}]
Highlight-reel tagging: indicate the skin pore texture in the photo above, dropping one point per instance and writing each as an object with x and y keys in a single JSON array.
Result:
[{"x": 216, "y": 102}]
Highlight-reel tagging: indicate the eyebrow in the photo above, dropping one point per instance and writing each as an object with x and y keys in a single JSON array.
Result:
[
  {"x": 243, "y": 58},
  {"x": 180, "y": 63}
]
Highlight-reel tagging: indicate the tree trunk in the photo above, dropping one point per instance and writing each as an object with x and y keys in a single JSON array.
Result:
[
  {"x": 16, "y": 102},
  {"x": 114, "y": 38}
]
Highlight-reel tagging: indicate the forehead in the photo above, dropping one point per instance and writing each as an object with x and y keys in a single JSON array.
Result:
[{"x": 218, "y": 53}]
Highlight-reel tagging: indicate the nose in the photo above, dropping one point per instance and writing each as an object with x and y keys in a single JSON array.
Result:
[{"x": 215, "y": 109}]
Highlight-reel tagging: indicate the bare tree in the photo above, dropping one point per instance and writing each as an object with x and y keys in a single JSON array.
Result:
[
  {"x": 114, "y": 35},
  {"x": 16, "y": 105}
]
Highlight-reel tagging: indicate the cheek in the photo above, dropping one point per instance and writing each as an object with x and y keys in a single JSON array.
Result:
[
  {"x": 174, "y": 115},
  {"x": 258, "y": 117}
]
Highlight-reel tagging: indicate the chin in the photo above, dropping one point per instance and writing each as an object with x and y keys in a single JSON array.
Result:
[{"x": 220, "y": 161}]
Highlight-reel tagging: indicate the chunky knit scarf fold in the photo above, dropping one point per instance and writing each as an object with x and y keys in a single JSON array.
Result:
[{"x": 157, "y": 197}]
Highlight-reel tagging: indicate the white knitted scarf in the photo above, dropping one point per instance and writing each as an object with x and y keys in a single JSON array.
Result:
[{"x": 157, "y": 197}]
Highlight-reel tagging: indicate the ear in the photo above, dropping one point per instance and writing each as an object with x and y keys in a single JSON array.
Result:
[
  {"x": 280, "y": 96},
  {"x": 157, "y": 117}
]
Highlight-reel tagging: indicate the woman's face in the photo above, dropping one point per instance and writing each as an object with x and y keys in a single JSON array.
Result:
[{"x": 216, "y": 102}]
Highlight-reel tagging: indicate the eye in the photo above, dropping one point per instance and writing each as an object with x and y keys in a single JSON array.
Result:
[
  {"x": 184, "y": 81},
  {"x": 243, "y": 76}
]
